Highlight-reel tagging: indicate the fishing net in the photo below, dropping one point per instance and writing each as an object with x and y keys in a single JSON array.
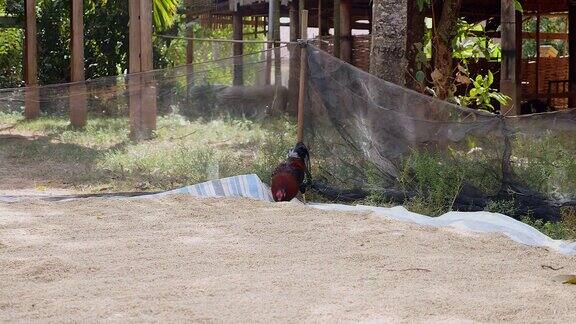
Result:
[
  {"x": 371, "y": 138},
  {"x": 187, "y": 90},
  {"x": 214, "y": 119}
]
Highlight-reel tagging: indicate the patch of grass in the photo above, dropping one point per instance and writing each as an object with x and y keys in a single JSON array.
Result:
[
  {"x": 564, "y": 229},
  {"x": 9, "y": 118},
  {"x": 436, "y": 183},
  {"x": 181, "y": 153},
  {"x": 505, "y": 207},
  {"x": 376, "y": 199},
  {"x": 556, "y": 230},
  {"x": 546, "y": 163}
]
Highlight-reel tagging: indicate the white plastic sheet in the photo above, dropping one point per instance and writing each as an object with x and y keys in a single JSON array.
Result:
[{"x": 482, "y": 222}]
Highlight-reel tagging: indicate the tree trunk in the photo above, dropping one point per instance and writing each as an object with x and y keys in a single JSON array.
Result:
[
  {"x": 442, "y": 75},
  {"x": 396, "y": 26}
]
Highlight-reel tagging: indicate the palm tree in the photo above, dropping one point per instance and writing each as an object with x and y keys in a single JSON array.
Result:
[{"x": 164, "y": 12}]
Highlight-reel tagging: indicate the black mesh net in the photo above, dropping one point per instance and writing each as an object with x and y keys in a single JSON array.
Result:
[
  {"x": 220, "y": 118},
  {"x": 371, "y": 138}
]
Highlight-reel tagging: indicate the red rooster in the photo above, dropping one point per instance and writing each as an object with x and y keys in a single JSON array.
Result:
[{"x": 291, "y": 175}]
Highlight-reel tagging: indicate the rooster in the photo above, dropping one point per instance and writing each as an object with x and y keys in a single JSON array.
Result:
[{"x": 292, "y": 175}]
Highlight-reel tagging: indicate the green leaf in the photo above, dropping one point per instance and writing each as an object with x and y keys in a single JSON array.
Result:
[
  {"x": 420, "y": 76},
  {"x": 518, "y": 6}
]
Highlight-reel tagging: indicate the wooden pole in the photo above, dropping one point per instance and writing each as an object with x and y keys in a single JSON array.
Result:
[
  {"x": 134, "y": 68},
  {"x": 345, "y": 31},
  {"x": 77, "y": 100},
  {"x": 518, "y": 27},
  {"x": 303, "y": 71},
  {"x": 237, "y": 34},
  {"x": 270, "y": 36},
  {"x": 142, "y": 88},
  {"x": 319, "y": 17},
  {"x": 322, "y": 20},
  {"x": 508, "y": 80},
  {"x": 31, "y": 98},
  {"x": 149, "y": 103},
  {"x": 277, "y": 60},
  {"x": 189, "y": 43},
  {"x": 337, "y": 30},
  {"x": 572, "y": 53},
  {"x": 537, "y": 52},
  {"x": 294, "y": 62}
]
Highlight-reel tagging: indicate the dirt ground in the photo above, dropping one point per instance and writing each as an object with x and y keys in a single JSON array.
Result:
[
  {"x": 220, "y": 260},
  {"x": 21, "y": 176}
]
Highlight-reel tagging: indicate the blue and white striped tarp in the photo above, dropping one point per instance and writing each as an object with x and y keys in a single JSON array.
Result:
[{"x": 249, "y": 186}]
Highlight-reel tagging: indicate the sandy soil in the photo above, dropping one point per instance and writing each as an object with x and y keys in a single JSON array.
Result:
[{"x": 210, "y": 260}]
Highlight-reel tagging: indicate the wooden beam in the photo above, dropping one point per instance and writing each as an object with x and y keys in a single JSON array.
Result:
[
  {"x": 337, "y": 30},
  {"x": 31, "y": 98},
  {"x": 237, "y": 34},
  {"x": 77, "y": 103},
  {"x": 551, "y": 36},
  {"x": 529, "y": 35},
  {"x": 508, "y": 80},
  {"x": 572, "y": 53},
  {"x": 345, "y": 31}
]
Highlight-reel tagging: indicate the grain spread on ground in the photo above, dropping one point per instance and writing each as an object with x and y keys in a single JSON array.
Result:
[{"x": 184, "y": 258}]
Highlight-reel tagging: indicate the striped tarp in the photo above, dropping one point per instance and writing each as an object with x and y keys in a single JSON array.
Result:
[{"x": 249, "y": 186}]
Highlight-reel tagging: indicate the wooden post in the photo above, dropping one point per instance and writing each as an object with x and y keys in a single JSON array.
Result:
[
  {"x": 294, "y": 62},
  {"x": 508, "y": 69},
  {"x": 31, "y": 98},
  {"x": 337, "y": 31},
  {"x": 276, "y": 32},
  {"x": 237, "y": 34},
  {"x": 572, "y": 53},
  {"x": 518, "y": 25},
  {"x": 270, "y": 37},
  {"x": 345, "y": 31},
  {"x": 322, "y": 20},
  {"x": 303, "y": 71},
  {"x": 537, "y": 52},
  {"x": 78, "y": 98},
  {"x": 189, "y": 43},
  {"x": 142, "y": 88}
]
